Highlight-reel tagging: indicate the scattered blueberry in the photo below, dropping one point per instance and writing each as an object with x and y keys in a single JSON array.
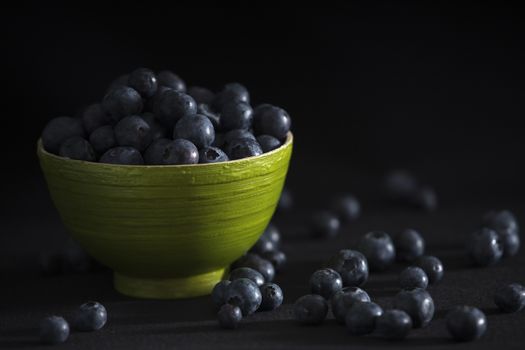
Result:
[
  {"x": 171, "y": 80},
  {"x": 409, "y": 245},
  {"x": 74, "y": 259},
  {"x": 362, "y": 316},
  {"x": 236, "y": 115},
  {"x": 351, "y": 265},
  {"x": 272, "y": 296},
  {"x": 346, "y": 207},
  {"x": 201, "y": 95},
  {"x": 212, "y": 155},
  {"x": 506, "y": 226},
  {"x": 432, "y": 266},
  {"x": 77, "y": 148},
  {"x": 484, "y": 247},
  {"x": 268, "y": 143},
  {"x": 400, "y": 184},
  {"x": 243, "y": 148},
  {"x": 94, "y": 117},
  {"x": 344, "y": 299},
  {"x": 466, "y": 323},
  {"x": 144, "y": 81},
  {"x": 276, "y": 257},
  {"x": 158, "y": 131},
  {"x": 195, "y": 128},
  {"x": 285, "y": 200},
  {"x": 393, "y": 324},
  {"x": 58, "y": 130},
  {"x": 413, "y": 277},
  {"x": 246, "y": 272},
  {"x": 310, "y": 309},
  {"x": 91, "y": 316},
  {"x": 102, "y": 139},
  {"x": 218, "y": 294},
  {"x": 229, "y": 316},
  {"x": 54, "y": 330},
  {"x": 418, "y": 304},
  {"x": 325, "y": 224},
  {"x": 245, "y": 294},
  {"x": 510, "y": 298},
  {"x": 272, "y": 233},
  {"x": 173, "y": 105},
  {"x": 263, "y": 245},
  {"x": 378, "y": 248},
  {"x": 255, "y": 262},
  {"x": 325, "y": 282},
  {"x": 122, "y": 155},
  {"x": 273, "y": 121},
  {"x": 134, "y": 132},
  {"x": 121, "y": 102},
  {"x": 424, "y": 198}
]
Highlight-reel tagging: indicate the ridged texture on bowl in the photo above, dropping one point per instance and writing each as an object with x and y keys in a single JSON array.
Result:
[{"x": 167, "y": 222}]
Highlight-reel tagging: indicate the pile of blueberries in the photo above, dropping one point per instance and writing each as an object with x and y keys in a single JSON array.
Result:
[
  {"x": 343, "y": 209},
  {"x": 90, "y": 316},
  {"x": 148, "y": 118}
]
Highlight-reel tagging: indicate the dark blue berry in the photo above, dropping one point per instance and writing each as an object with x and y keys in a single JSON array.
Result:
[
  {"x": 201, "y": 95},
  {"x": 424, "y": 198},
  {"x": 167, "y": 152},
  {"x": 325, "y": 224},
  {"x": 263, "y": 245},
  {"x": 122, "y": 155},
  {"x": 432, "y": 266},
  {"x": 409, "y": 245},
  {"x": 310, "y": 309},
  {"x": 195, "y": 128},
  {"x": 510, "y": 298},
  {"x": 344, "y": 299},
  {"x": 173, "y": 105},
  {"x": 237, "y": 134},
  {"x": 285, "y": 200},
  {"x": 236, "y": 115},
  {"x": 272, "y": 233},
  {"x": 153, "y": 101},
  {"x": 484, "y": 247},
  {"x": 418, "y": 304},
  {"x": 246, "y": 272},
  {"x": 120, "y": 81},
  {"x": 218, "y": 294},
  {"x": 400, "y": 184},
  {"x": 268, "y": 143},
  {"x": 212, "y": 155},
  {"x": 144, "y": 81},
  {"x": 158, "y": 152},
  {"x": 171, "y": 80},
  {"x": 393, "y": 324},
  {"x": 245, "y": 294},
  {"x": 257, "y": 263},
  {"x": 232, "y": 92},
  {"x": 94, "y": 117},
  {"x": 133, "y": 131},
  {"x": 74, "y": 259},
  {"x": 77, "y": 148},
  {"x": 506, "y": 226},
  {"x": 229, "y": 316},
  {"x": 58, "y": 130},
  {"x": 276, "y": 257},
  {"x": 413, "y": 277},
  {"x": 158, "y": 131},
  {"x": 325, "y": 282},
  {"x": 243, "y": 148},
  {"x": 91, "y": 316},
  {"x": 102, "y": 139},
  {"x": 466, "y": 323},
  {"x": 54, "y": 330},
  {"x": 273, "y": 121},
  {"x": 346, "y": 207},
  {"x": 208, "y": 113},
  {"x": 378, "y": 248},
  {"x": 219, "y": 139},
  {"x": 272, "y": 296},
  {"x": 121, "y": 102},
  {"x": 362, "y": 316},
  {"x": 351, "y": 265}
]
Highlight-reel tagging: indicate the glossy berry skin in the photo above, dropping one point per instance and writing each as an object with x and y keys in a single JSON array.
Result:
[
  {"x": 173, "y": 105},
  {"x": 409, "y": 245},
  {"x": 378, "y": 248},
  {"x": 212, "y": 116},
  {"x": 195, "y": 128},
  {"x": 257, "y": 263},
  {"x": 58, "y": 130},
  {"x": 133, "y": 131},
  {"x": 212, "y": 155},
  {"x": 268, "y": 143},
  {"x": 351, "y": 265},
  {"x": 432, "y": 266},
  {"x": 276, "y": 257},
  {"x": 273, "y": 121},
  {"x": 94, "y": 117},
  {"x": 236, "y": 134},
  {"x": 158, "y": 131},
  {"x": 272, "y": 296},
  {"x": 144, "y": 81},
  {"x": 245, "y": 294},
  {"x": 121, "y": 102},
  {"x": 53, "y": 330},
  {"x": 413, "y": 277},
  {"x": 102, "y": 139},
  {"x": 484, "y": 247},
  {"x": 343, "y": 300},
  {"x": 218, "y": 294},
  {"x": 361, "y": 318},
  {"x": 325, "y": 224},
  {"x": 510, "y": 298},
  {"x": 246, "y": 272},
  {"x": 201, "y": 95},
  {"x": 263, "y": 245},
  {"x": 393, "y": 324},
  {"x": 325, "y": 282},
  {"x": 243, "y": 148},
  {"x": 418, "y": 304},
  {"x": 310, "y": 309},
  {"x": 466, "y": 323},
  {"x": 424, "y": 198},
  {"x": 230, "y": 93},
  {"x": 158, "y": 152},
  {"x": 236, "y": 115},
  {"x": 181, "y": 151},
  {"x": 77, "y": 148},
  {"x": 91, "y": 316},
  {"x": 123, "y": 156},
  {"x": 171, "y": 80},
  {"x": 346, "y": 207},
  {"x": 229, "y": 316},
  {"x": 506, "y": 226},
  {"x": 272, "y": 233}
]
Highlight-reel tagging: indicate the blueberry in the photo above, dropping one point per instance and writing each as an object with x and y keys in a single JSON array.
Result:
[
  {"x": 344, "y": 299},
  {"x": 346, "y": 207},
  {"x": 218, "y": 294},
  {"x": 273, "y": 121},
  {"x": 418, "y": 304},
  {"x": 378, "y": 248},
  {"x": 195, "y": 128},
  {"x": 245, "y": 294},
  {"x": 120, "y": 81},
  {"x": 276, "y": 257},
  {"x": 171, "y": 80},
  {"x": 409, "y": 245},
  {"x": 201, "y": 95},
  {"x": 413, "y": 277},
  {"x": 272, "y": 233},
  {"x": 257, "y": 263},
  {"x": 158, "y": 131},
  {"x": 325, "y": 282},
  {"x": 506, "y": 226},
  {"x": 91, "y": 316},
  {"x": 208, "y": 113},
  {"x": 236, "y": 115},
  {"x": 466, "y": 323},
  {"x": 212, "y": 155},
  {"x": 325, "y": 224},
  {"x": 94, "y": 117},
  {"x": 268, "y": 143},
  {"x": 424, "y": 198},
  {"x": 229, "y": 316},
  {"x": 484, "y": 247},
  {"x": 168, "y": 152},
  {"x": 362, "y": 316},
  {"x": 272, "y": 296},
  {"x": 102, "y": 139},
  {"x": 393, "y": 324},
  {"x": 77, "y": 148},
  {"x": 232, "y": 92},
  {"x": 58, "y": 130},
  {"x": 74, "y": 259},
  {"x": 122, "y": 155},
  {"x": 54, "y": 330},
  {"x": 153, "y": 102},
  {"x": 121, "y": 102},
  {"x": 237, "y": 134},
  {"x": 219, "y": 139},
  {"x": 246, "y": 272},
  {"x": 310, "y": 309},
  {"x": 510, "y": 298},
  {"x": 400, "y": 184},
  {"x": 158, "y": 152},
  {"x": 432, "y": 266},
  {"x": 243, "y": 148},
  {"x": 351, "y": 265},
  {"x": 133, "y": 131},
  {"x": 144, "y": 81},
  {"x": 285, "y": 200},
  {"x": 263, "y": 245},
  {"x": 173, "y": 105}
]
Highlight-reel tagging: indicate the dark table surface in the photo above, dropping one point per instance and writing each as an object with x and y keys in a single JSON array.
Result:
[{"x": 31, "y": 225}]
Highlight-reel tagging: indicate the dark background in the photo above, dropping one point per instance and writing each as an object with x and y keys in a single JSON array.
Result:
[{"x": 433, "y": 87}]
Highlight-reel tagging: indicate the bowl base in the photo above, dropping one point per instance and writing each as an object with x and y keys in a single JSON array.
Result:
[{"x": 167, "y": 288}]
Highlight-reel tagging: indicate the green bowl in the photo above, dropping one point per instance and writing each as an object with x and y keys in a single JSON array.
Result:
[{"x": 167, "y": 231}]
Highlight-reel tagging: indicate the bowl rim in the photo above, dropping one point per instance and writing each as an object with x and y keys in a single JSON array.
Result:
[{"x": 286, "y": 144}]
